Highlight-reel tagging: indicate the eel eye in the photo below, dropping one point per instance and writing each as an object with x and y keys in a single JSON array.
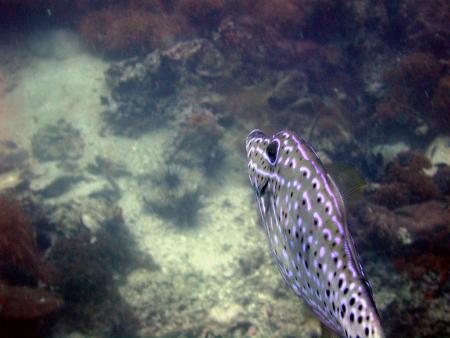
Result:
[{"x": 272, "y": 151}]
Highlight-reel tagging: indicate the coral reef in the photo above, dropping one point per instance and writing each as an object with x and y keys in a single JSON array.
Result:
[{"x": 60, "y": 141}]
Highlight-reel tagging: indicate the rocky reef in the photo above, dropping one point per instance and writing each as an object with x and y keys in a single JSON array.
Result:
[
  {"x": 141, "y": 91},
  {"x": 141, "y": 223}
]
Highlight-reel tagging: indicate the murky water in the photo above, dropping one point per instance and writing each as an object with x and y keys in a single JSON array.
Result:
[{"x": 125, "y": 204}]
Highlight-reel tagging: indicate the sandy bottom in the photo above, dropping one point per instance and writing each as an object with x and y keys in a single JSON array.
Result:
[{"x": 202, "y": 265}]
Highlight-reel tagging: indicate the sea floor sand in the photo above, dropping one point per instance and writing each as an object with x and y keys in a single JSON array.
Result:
[{"x": 216, "y": 275}]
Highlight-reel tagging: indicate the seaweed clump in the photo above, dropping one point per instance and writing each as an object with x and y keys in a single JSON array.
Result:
[
  {"x": 127, "y": 28},
  {"x": 58, "y": 141},
  {"x": 426, "y": 24},
  {"x": 174, "y": 194},
  {"x": 410, "y": 218},
  {"x": 88, "y": 268},
  {"x": 415, "y": 245},
  {"x": 199, "y": 142},
  {"x": 412, "y": 92},
  {"x": 405, "y": 182},
  {"x": 24, "y": 303}
]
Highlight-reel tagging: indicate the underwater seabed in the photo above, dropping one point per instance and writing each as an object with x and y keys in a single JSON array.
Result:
[
  {"x": 213, "y": 276},
  {"x": 150, "y": 237}
]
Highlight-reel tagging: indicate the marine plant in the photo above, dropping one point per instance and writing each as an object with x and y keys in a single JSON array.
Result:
[
  {"x": 411, "y": 84},
  {"x": 405, "y": 182},
  {"x": 174, "y": 193},
  {"x": 440, "y": 104},
  {"x": 131, "y": 29},
  {"x": 59, "y": 141},
  {"x": 88, "y": 267},
  {"x": 199, "y": 141},
  {"x": 442, "y": 179},
  {"x": 426, "y": 24},
  {"x": 24, "y": 303},
  {"x": 2, "y": 93},
  {"x": 202, "y": 13},
  {"x": 415, "y": 262},
  {"x": 283, "y": 15}
]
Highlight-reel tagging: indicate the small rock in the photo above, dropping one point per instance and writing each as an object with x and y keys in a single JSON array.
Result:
[
  {"x": 58, "y": 141},
  {"x": 438, "y": 152},
  {"x": 59, "y": 186},
  {"x": 226, "y": 315},
  {"x": 141, "y": 90},
  {"x": 10, "y": 180},
  {"x": 389, "y": 151}
]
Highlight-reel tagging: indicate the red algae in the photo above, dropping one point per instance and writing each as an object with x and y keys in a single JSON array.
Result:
[
  {"x": 426, "y": 24},
  {"x": 441, "y": 103},
  {"x": 17, "y": 241},
  {"x": 2, "y": 94},
  {"x": 23, "y": 303},
  {"x": 280, "y": 14},
  {"x": 411, "y": 83},
  {"x": 202, "y": 13},
  {"x": 405, "y": 182},
  {"x": 118, "y": 29}
]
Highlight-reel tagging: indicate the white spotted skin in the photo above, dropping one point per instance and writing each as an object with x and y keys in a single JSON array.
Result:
[{"x": 304, "y": 218}]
